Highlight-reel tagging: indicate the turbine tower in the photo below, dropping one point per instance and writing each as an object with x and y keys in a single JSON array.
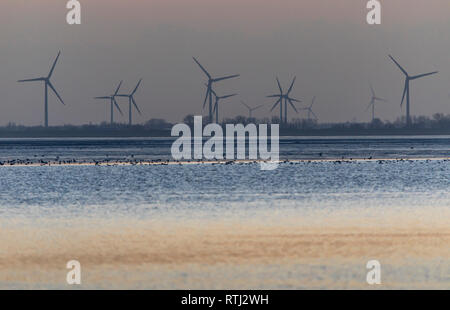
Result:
[
  {"x": 284, "y": 97},
  {"x": 250, "y": 110},
  {"x": 310, "y": 110},
  {"x": 406, "y": 91},
  {"x": 210, "y": 83},
  {"x": 113, "y": 102},
  {"x": 373, "y": 101},
  {"x": 217, "y": 101},
  {"x": 131, "y": 102},
  {"x": 47, "y": 84}
]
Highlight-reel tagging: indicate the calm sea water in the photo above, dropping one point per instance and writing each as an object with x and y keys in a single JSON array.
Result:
[{"x": 241, "y": 190}]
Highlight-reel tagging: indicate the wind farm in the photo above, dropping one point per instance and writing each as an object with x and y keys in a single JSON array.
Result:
[{"x": 285, "y": 101}]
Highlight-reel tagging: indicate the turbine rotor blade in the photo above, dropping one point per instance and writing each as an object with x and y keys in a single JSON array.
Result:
[
  {"x": 136, "y": 106},
  {"x": 423, "y": 75},
  {"x": 398, "y": 65},
  {"x": 258, "y": 107},
  {"x": 279, "y": 86},
  {"x": 118, "y": 87},
  {"x": 245, "y": 104},
  {"x": 213, "y": 92},
  {"x": 56, "y": 93},
  {"x": 276, "y": 103},
  {"x": 54, "y": 65},
  {"x": 373, "y": 91},
  {"x": 206, "y": 97},
  {"x": 137, "y": 86},
  {"x": 404, "y": 92},
  {"x": 226, "y": 78},
  {"x": 228, "y": 96},
  {"x": 292, "y": 105},
  {"x": 32, "y": 80},
  {"x": 293, "y": 99},
  {"x": 201, "y": 67},
  {"x": 117, "y": 106},
  {"x": 380, "y": 99},
  {"x": 292, "y": 85}
]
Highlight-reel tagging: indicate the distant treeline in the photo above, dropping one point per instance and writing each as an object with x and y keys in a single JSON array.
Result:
[
  {"x": 152, "y": 128},
  {"x": 439, "y": 124}
]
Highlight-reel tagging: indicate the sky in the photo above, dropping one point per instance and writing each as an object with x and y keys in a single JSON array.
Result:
[{"x": 328, "y": 45}]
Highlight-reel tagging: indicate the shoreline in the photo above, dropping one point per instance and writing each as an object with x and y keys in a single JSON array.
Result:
[
  {"x": 306, "y": 135},
  {"x": 57, "y": 132}
]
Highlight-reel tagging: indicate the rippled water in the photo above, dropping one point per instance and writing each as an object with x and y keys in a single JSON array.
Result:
[{"x": 213, "y": 190}]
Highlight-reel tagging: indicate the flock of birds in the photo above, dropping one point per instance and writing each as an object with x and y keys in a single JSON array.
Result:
[{"x": 131, "y": 161}]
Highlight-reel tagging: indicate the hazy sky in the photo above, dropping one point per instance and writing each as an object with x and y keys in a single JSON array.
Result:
[{"x": 326, "y": 44}]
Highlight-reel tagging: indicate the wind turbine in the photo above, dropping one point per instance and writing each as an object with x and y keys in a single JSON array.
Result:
[
  {"x": 47, "y": 84},
  {"x": 250, "y": 110},
  {"x": 373, "y": 101},
  {"x": 287, "y": 99},
  {"x": 406, "y": 91},
  {"x": 131, "y": 102},
  {"x": 216, "y": 104},
  {"x": 310, "y": 111},
  {"x": 210, "y": 83},
  {"x": 113, "y": 102}
]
